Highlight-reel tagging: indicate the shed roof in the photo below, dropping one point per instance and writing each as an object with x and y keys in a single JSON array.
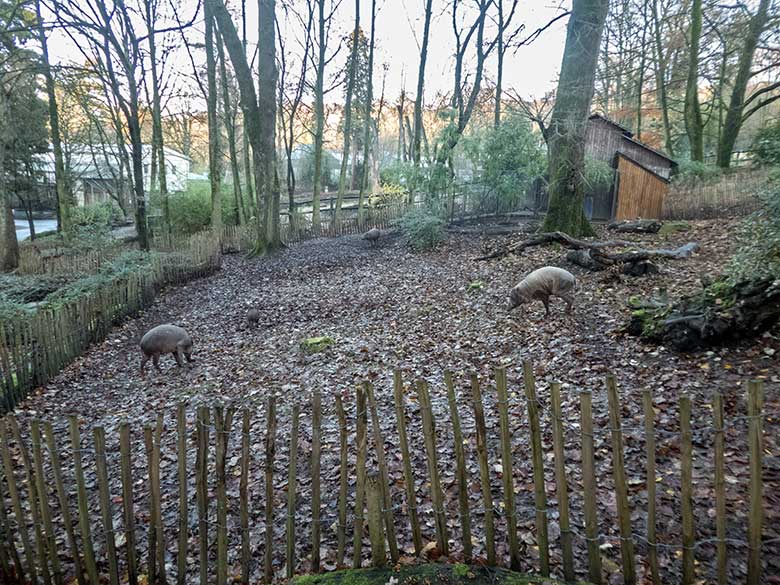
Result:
[
  {"x": 623, "y": 129},
  {"x": 629, "y": 136}
]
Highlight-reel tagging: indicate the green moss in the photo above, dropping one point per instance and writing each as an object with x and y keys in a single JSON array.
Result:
[
  {"x": 673, "y": 227},
  {"x": 317, "y": 344},
  {"x": 477, "y": 285},
  {"x": 458, "y": 574}
]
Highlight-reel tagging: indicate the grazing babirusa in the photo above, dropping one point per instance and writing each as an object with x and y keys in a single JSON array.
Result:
[
  {"x": 542, "y": 284},
  {"x": 165, "y": 339}
]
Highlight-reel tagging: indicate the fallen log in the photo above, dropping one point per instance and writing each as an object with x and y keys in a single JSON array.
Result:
[
  {"x": 636, "y": 226},
  {"x": 723, "y": 312},
  {"x": 593, "y": 256}
]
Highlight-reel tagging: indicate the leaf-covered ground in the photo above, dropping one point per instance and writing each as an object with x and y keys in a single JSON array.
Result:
[{"x": 424, "y": 313}]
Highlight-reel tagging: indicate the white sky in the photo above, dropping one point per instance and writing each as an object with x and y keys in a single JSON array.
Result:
[{"x": 532, "y": 71}]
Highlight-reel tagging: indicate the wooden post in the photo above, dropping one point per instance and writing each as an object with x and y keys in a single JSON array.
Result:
[
  {"x": 83, "y": 504},
  {"x": 720, "y": 489},
  {"x": 316, "y": 450},
  {"x": 342, "y": 527},
  {"x": 589, "y": 488},
  {"x": 437, "y": 496},
  {"x": 201, "y": 491},
  {"x": 5, "y": 526},
  {"x": 99, "y": 435},
  {"x": 506, "y": 467},
  {"x": 379, "y": 446},
  {"x": 40, "y": 540},
  {"x": 243, "y": 490},
  {"x": 755, "y": 447},
  {"x": 561, "y": 484},
  {"x": 51, "y": 542},
  {"x": 223, "y": 420},
  {"x": 460, "y": 464},
  {"x": 484, "y": 470},
  {"x": 376, "y": 531},
  {"x": 686, "y": 492},
  {"x": 64, "y": 501},
  {"x": 270, "y": 456},
  {"x": 540, "y": 496},
  {"x": 652, "y": 551},
  {"x": 291, "y": 488},
  {"x": 16, "y": 503},
  {"x": 126, "y": 468},
  {"x": 181, "y": 433},
  {"x": 411, "y": 492},
  {"x": 360, "y": 476},
  {"x": 621, "y": 488}
]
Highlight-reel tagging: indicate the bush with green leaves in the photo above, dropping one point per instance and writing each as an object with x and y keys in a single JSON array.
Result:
[
  {"x": 423, "y": 228},
  {"x": 766, "y": 145},
  {"x": 191, "y": 209},
  {"x": 598, "y": 176},
  {"x": 758, "y": 249},
  {"x": 98, "y": 215},
  {"x": 692, "y": 171}
]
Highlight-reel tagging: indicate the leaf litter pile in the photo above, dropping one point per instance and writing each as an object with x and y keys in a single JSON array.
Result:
[{"x": 386, "y": 307}]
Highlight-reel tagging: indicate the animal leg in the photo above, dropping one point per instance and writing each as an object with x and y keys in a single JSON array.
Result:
[
  {"x": 546, "y": 303},
  {"x": 156, "y": 362},
  {"x": 569, "y": 303},
  {"x": 143, "y": 365},
  {"x": 178, "y": 355}
]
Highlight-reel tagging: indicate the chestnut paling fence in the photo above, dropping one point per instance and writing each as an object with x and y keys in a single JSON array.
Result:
[{"x": 81, "y": 509}]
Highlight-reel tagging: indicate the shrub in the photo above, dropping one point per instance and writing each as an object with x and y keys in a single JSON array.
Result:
[
  {"x": 598, "y": 175},
  {"x": 691, "y": 171},
  {"x": 766, "y": 145},
  {"x": 422, "y": 228},
  {"x": 758, "y": 249},
  {"x": 191, "y": 209},
  {"x": 97, "y": 215}
]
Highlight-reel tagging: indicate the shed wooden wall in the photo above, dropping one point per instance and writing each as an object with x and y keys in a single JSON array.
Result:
[
  {"x": 646, "y": 157},
  {"x": 602, "y": 140},
  {"x": 640, "y": 191}
]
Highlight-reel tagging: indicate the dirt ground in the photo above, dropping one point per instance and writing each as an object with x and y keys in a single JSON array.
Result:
[{"x": 387, "y": 307}]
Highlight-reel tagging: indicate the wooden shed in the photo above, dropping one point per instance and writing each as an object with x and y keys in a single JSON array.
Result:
[{"x": 641, "y": 173}]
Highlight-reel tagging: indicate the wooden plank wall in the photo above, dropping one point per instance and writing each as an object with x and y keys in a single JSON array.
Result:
[{"x": 640, "y": 192}]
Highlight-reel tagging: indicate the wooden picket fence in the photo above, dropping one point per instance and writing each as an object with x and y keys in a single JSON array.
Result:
[
  {"x": 35, "y": 346},
  {"x": 61, "y": 517},
  {"x": 732, "y": 195}
]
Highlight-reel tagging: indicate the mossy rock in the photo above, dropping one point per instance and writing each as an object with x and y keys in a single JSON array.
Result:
[
  {"x": 672, "y": 227},
  {"x": 458, "y": 574},
  {"x": 317, "y": 344}
]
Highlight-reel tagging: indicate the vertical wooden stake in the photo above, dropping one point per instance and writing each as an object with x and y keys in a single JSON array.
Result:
[
  {"x": 201, "y": 491},
  {"x": 506, "y": 467},
  {"x": 429, "y": 432},
  {"x": 181, "y": 433},
  {"x": 379, "y": 446},
  {"x": 484, "y": 470},
  {"x": 64, "y": 500},
  {"x": 411, "y": 492},
  {"x": 223, "y": 420},
  {"x": 270, "y": 456},
  {"x": 460, "y": 464},
  {"x": 342, "y": 527},
  {"x": 540, "y": 496},
  {"x": 561, "y": 484},
  {"x": 152, "y": 552},
  {"x": 291, "y": 488},
  {"x": 589, "y": 489},
  {"x": 375, "y": 529},
  {"x": 360, "y": 475},
  {"x": 755, "y": 447},
  {"x": 686, "y": 492},
  {"x": 127, "y": 501},
  {"x": 83, "y": 504},
  {"x": 316, "y": 450},
  {"x": 652, "y": 551},
  {"x": 7, "y": 532},
  {"x": 720, "y": 488},
  {"x": 99, "y": 435},
  {"x": 243, "y": 490},
  {"x": 621, "y": 488}
]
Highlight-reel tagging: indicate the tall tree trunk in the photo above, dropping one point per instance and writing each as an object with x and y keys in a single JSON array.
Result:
[
  {"x": 215, "y": 168},
  {"x": 500, "y": 65},
  {"x": 694, "y": 126},
  {"x": 419, "y": 99},
  {"x": 352, "y": 73},
  {"x": 660, "y": 80},
  {"x": 734, "y": 118},
  {"x": 401, "y": 156},
  {"x": 570, "y": 117},
  {"x": 367, "y": 138},
  {"x": 247, "y": 154},
  {"x": 9, "y": 246},
  {"x": 61, "y": 179},
  {"x": 267, "y": 84},
  {"x": 641, "y": 81},
  {"x": 319, "y": 116},
  {"x": 157, "y": 130},
  {"x": 238, "y": 202}
]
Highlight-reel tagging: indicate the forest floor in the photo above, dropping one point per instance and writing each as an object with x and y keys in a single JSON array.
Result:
[{"x": 387, "y": 307}]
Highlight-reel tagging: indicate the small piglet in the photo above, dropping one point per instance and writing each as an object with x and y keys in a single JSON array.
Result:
[
  {"x": 253, "y": 317},
  {"x": 372, "y": 236},
  {"x": 165, "y": 339},
  {"x": 542, "y": 284}
]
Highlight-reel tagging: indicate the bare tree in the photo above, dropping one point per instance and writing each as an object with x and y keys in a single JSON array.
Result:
[
  {"x": 419, "y": 98},
  {"x": 367, "y": 117},
  {"x": 694, "y": 125},
  {"x": 215, "y": 168}
]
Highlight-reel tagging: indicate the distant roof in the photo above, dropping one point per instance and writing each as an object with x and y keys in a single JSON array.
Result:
[
  {"x": 629, "y": 136},
  {"x": 623, "y": 129},
  {"x": 653, "y": 150}
]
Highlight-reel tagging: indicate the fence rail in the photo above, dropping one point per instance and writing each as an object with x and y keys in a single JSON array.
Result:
[
  {"x": 730, "y": 195},
  {"x": 35, "y": 346},
  {"x": 113, "y": 509}
]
